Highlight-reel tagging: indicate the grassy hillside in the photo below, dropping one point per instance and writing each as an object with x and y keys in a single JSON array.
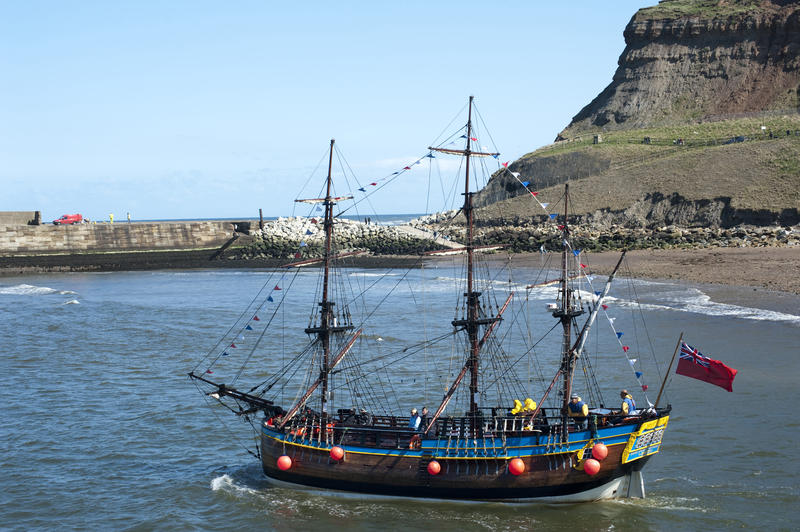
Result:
[{"x": 757, "y": 168}]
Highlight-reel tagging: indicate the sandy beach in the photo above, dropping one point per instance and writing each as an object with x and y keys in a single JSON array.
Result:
[{"x": 772, "y": 268}]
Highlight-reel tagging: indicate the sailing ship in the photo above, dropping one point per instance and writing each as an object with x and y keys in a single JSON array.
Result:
[{"x": 333, "y": 432}]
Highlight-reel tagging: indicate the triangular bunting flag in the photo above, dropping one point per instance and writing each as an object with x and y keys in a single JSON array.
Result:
[
  {"x": 619, "y": 334},
  {"x": 303, "y": 244},
  {"x": 515, "y": 174},
  {"x": 526, "y": 183},
  {"x": 553, "y": 216},
  {"x": 625, "y": 348},
  {"x": 431, "y": 156},
  {"x": 225, "y": 353},
  {"x": 576, "y": 252},
  {"x": 496, "y": 155},
  {"x": 373, "y": 184},
  {"x": 505, "y": 164},
  {"x": 544, "y": 205},
  {"x": 598, "y": 292},
  {"x": 406, "y": 168},
  {"x": 639, "y": 374},
  {"x": 309, "y": 232},
  {"x": 605, "y": 307},
  {"x": 313, "y": 220},
  {"x": 256, "y": 318},
  {"x": 474, "y": 139},
  {"x": 362, "y": 189},
  {"x": 298, "y": 255},
  {"x": 248, "y": 328},
  {"x": 270, "y": 299},
  {"x": 644, "y": 387},
  {"x": 583, "y": 265},
  {"x": 209, "y": 371},
  {"x": 277, "y": 287},
  {"x": 632, "y": 361},
  {"x": 233, "y": 346}
]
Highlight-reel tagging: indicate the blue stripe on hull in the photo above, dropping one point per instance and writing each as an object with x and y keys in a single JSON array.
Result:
[{"x": 486, "y": 448}]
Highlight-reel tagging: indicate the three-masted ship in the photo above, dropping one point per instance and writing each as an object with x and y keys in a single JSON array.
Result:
[{"x": 481, "y": 452}]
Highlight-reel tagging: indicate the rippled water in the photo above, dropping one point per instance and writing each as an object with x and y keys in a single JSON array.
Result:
[{"x": 102, "y": 429}]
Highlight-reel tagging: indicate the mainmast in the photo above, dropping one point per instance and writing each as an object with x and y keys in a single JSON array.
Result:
[
  {"x": 472, "y": 296},
  {"x": 472, "y": 321}
]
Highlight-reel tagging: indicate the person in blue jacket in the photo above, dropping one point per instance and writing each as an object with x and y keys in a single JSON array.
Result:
[
  {"x": 628, "y": 404},
  {"x": 413, "y": 422},
  {"x": 577, "y": 410}
]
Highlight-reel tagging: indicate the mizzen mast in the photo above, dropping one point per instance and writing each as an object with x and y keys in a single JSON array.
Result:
[{"x": 567, "y": 312}]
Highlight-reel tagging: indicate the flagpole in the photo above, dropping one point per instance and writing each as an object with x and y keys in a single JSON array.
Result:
[{"x": 668, "y": 370}]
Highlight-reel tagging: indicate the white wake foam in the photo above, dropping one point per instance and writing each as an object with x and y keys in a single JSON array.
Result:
[
  {"x": 698, "y": 302},
  {"x": 227, "y": 484},
  {"x": 31, "y": 290}
]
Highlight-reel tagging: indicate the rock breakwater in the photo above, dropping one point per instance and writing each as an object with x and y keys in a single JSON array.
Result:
[{"x": 300, "y": 238}]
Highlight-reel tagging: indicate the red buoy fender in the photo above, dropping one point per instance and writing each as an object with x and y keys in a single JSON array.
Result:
[
  {"x": 599, "y": 451},
  {"x": 516, "y": 466},
  {"x": 591, "y": 466},
  {"x": 284, "y": 462},
  {"x": 434, "y": 467},
  {"x": 337, "y": 453}
]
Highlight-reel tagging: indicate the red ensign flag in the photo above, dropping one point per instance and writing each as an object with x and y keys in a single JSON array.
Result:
[{"x": 693, "y": 364}]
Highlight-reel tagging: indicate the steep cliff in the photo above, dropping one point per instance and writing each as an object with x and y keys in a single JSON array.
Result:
[
  {"x": 700, "y": 60},
  {"x": 704, "y": 109}
]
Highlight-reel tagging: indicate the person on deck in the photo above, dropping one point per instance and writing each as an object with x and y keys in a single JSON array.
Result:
[
  {"x": 425, "y": 419},
  {"x": 414, "y": 421},
  {"x": 628, "y": 405},
  {"x": 577, "y": 410}
]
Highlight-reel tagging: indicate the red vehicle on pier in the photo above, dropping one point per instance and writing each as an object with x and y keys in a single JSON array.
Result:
[{"x": 68, "y": 219}]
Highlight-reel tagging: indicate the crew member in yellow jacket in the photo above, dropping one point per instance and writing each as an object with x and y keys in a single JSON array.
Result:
[
  {"x": 577, "y": 410},
  {"x": 528, "y": 408}
]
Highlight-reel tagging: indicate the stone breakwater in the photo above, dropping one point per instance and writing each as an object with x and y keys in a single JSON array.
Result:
[{"x": 299, "y": 238}]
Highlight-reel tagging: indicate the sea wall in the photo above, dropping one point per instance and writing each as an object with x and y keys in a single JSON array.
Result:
[
  {"x": 20, "y": 218},
  {"x": 106, "y": 237}
]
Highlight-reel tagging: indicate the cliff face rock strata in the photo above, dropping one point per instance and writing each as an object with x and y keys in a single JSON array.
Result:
[{"x": 705, "y": 63}]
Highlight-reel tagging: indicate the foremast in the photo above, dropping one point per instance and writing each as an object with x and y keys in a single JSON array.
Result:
[{"x": 327, "y": 321}]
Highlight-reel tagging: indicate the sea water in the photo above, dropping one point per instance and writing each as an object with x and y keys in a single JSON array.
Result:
[{"x": 102, "y": 429}]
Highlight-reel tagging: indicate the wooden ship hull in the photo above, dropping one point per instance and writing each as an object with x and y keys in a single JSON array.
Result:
[
  {"x": 395, "y": 462},
  {"x": 548, "y": 452}
]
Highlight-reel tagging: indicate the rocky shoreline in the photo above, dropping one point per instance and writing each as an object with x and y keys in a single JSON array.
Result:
[
  {"x": 766, "y": 257},
  {"x": 301, "y": 238}
]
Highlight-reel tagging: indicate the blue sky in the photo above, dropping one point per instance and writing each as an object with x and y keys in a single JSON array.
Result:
[{"x": 199, "y": 109}]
